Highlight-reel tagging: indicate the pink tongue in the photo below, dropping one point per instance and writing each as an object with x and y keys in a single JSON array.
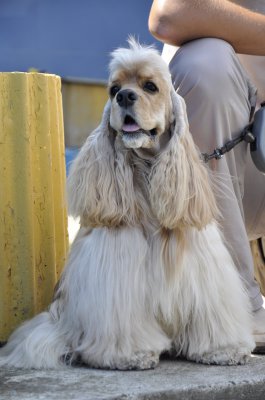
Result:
[{"x": 130, "y": 127}]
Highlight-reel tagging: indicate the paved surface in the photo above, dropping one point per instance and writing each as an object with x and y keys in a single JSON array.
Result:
[{"x": 171, "y": 380}]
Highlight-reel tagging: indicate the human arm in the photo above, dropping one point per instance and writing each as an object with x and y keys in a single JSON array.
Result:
[{"x": 178, "y": 21}]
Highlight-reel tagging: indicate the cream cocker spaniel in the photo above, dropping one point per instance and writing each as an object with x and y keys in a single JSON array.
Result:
[{"x": 148, "y": 271}]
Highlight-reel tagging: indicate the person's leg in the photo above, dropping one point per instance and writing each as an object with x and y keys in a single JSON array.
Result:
[
  {"x": 218, "y": 94},
  {"x": 254, "y": 201},
  {"x": 254, "y": 208}
]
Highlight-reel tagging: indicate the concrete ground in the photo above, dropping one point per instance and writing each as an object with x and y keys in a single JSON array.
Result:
[{"x": 173, "y": 379}]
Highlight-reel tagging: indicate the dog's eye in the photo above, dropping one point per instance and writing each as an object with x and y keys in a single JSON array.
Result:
[
  {"x": 150, "y": 87},
  {"x": 114, "y": 90}
]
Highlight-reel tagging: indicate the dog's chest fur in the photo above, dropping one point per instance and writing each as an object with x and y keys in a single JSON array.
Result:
[{"x": 141, "y": 173}]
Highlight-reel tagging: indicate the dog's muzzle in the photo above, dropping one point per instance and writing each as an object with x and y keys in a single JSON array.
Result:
[{"x": 126, "y": 99}]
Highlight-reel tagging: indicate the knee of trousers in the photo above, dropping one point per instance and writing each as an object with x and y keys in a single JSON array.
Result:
[{"x": 211, "y": 68}]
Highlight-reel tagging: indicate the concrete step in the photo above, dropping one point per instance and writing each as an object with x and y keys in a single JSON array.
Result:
[{"x": 173, "y": 379}]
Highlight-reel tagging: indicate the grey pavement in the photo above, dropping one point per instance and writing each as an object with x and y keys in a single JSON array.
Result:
[{"x": 172, "y": 379}]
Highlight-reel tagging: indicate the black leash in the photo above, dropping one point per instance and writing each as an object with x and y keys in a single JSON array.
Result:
[
  {"x": 246, "y": 136},
  {"x": 218, "y": 153}
]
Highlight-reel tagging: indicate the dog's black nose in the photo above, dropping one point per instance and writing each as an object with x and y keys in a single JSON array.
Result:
[{"x": 126, "y": 98}]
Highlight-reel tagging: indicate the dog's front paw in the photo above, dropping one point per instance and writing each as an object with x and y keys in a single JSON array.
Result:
[
  {"x": 229, "y": 356},
  {"x": 138, "y": 361}
]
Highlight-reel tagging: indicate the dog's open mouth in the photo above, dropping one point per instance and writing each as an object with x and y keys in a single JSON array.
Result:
[{"x": 130, "y": 127}]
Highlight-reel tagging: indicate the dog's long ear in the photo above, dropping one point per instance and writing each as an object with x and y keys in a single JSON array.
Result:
[
  {"x": 100, "y": 182},
  {"x": 180, "y": 191}
]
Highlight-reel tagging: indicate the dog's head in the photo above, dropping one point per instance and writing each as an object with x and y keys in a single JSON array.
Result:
[
  {"x": 139, "y": 89},
  {"x": 144, "y": 114}
]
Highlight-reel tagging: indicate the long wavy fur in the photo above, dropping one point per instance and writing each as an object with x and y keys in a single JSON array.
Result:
[
  {"x": 100, "y": 184},
  {"x": 179, "y": 183}
]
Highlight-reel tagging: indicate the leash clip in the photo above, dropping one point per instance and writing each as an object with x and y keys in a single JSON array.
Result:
[{"x": 218, "y": 154}]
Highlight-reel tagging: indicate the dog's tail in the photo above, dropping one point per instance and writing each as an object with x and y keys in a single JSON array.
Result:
[{"x": 38, "y": 343}]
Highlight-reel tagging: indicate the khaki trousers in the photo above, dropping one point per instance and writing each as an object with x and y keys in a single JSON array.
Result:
[{"x": 219, "y": 96}]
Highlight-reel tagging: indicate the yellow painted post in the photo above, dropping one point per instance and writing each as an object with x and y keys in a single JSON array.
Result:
[{"x": 33, "y": 219}]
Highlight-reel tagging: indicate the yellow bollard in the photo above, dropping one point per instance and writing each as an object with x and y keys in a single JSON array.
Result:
[{"x": 33, "y": 219}]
